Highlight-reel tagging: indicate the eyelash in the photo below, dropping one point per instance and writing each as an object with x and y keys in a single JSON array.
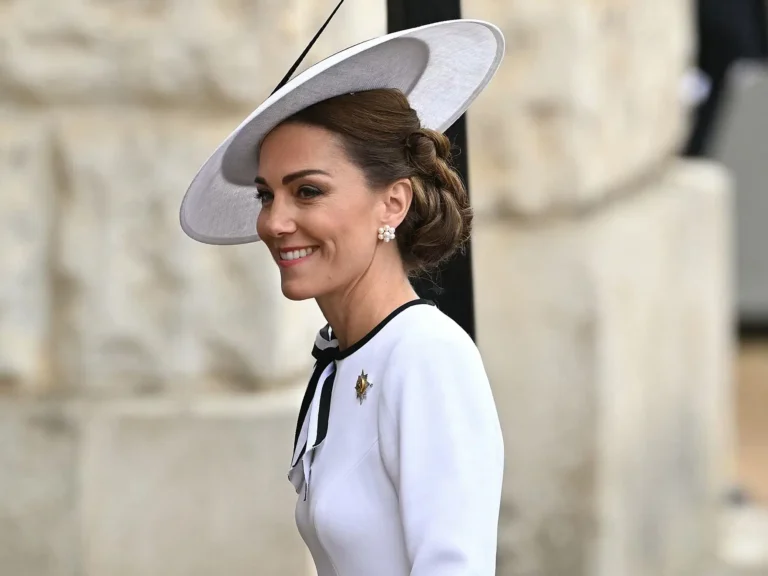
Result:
[
  {"x": 314, "y": 192},
  {"x": 265, "y": 195}
]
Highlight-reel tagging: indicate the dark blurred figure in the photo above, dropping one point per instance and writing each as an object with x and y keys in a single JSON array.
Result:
[{"x": 728, "y": 30}]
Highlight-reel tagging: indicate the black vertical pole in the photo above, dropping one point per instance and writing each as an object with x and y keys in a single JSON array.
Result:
[{"x": 454, "y": 292}]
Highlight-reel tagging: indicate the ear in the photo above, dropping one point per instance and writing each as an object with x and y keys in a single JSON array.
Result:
[{"x": 397, "y": 200}]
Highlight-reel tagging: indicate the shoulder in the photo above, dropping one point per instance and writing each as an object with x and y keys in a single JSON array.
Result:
[
  {"x": 433, "y": 358},
  {"x": 435, "y": 379},
  {"x": 427, "y": 335}
]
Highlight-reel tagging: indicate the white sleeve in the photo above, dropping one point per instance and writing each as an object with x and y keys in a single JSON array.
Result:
[{"x": 442, "y": 447}]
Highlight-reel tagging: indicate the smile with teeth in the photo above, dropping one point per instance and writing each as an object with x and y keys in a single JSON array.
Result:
[{"x": 296, "y": 254}]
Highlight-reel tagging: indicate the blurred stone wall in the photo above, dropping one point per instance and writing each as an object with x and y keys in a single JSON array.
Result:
[
  {"x": 602, "y": 270},
  {"x": 149, "y": 384}
]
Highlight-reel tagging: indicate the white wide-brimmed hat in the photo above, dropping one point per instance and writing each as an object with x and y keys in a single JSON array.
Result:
[{"x": 441, "y": 68}]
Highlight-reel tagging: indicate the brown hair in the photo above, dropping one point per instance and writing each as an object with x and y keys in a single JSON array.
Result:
[{"x": 383, "y": 136}]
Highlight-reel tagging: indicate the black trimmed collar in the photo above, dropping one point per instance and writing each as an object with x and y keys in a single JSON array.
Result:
[
  {"x": 325, "y": 351},
  {"x": 341, "y": 354}
]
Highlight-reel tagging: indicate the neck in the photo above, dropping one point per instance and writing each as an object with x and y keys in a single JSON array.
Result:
[{"x": 359, "y": 308}]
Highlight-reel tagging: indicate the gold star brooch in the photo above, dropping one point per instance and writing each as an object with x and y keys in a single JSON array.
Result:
[{"x": 362, "y": 386}]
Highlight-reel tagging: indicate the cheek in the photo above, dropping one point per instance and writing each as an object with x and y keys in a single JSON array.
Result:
[
  {"x": 354, "y": 236},
  {"x": 357, "y": 218}
]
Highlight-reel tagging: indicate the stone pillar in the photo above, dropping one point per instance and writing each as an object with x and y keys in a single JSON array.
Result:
[
  {"x": 603, "y": 300},
  {"x": 149, "y": 384}
]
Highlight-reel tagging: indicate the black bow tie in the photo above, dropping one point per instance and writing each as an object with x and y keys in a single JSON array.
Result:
[{"x": 324, "y": 357}]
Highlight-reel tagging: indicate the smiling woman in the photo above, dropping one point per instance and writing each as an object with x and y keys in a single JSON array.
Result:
[
  {"x": 345, "y": 167},
  {"x": 398, "y": 455}
]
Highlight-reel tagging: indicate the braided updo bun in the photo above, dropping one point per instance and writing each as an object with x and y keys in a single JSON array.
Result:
[
  {"x": 440, "y": 219},
  {"x": 383, "y": 136}
]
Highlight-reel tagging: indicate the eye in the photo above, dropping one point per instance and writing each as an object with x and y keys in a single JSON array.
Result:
[
  {"x": 263, "y": 196},
  {"x": 308, "y": 192}
]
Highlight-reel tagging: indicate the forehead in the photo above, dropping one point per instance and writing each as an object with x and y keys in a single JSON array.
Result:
[{"x": 291, "y": 147}]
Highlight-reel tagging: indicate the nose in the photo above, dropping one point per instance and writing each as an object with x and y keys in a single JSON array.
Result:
[{"x": 276, "y": 218}]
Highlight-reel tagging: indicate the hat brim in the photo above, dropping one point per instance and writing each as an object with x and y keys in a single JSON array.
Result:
[{"x": 441, "y": 68}]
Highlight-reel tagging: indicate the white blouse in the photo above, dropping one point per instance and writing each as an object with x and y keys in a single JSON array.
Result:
[{"x": 399, "y": 458}]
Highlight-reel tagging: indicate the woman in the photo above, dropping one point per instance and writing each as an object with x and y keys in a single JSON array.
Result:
[{"x": 398, "y": 454}]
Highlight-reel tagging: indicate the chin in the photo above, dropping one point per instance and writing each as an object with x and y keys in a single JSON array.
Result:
[{"x": 297, "y": 291}]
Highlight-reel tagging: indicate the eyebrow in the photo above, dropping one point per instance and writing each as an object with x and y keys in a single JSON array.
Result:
[{"x": 294, "y": 176}]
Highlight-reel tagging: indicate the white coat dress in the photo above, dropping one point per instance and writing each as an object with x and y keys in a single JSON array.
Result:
[{"x": 398, "y": 457}]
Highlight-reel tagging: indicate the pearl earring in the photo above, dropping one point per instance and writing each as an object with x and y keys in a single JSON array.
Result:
[{"x": 386, "y": 233}]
